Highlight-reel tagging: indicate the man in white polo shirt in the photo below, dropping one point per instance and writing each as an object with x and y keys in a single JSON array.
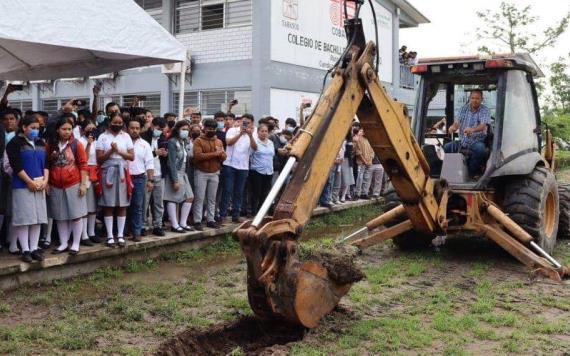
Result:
[
  {"x": 240, "y": 142},
  {"x": 142, "y": 171}
]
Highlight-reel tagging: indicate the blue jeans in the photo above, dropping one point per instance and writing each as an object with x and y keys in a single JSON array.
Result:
[
  {"x": 137, "y": 204},
  {"x": 327, "y": 191},
  {"x": 476, "y": 159},
  {"x": 234, "y": 185}
]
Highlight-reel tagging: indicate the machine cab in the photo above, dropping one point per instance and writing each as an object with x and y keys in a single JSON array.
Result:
[{"x": 512, "y": 139}]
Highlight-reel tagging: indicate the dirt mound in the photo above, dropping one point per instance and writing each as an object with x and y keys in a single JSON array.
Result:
[
  {"x": 340, "y": 262},
  {"x": 249, "y": 334}
]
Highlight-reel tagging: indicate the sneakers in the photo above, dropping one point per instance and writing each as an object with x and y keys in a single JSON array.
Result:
[
  {"x": 327, "y": 205},
  {"x": 198, "y": 227},
  {"x": 36, "y": 255},
  {"x": 158, "y": 231},
  {"x": 213, "y": 225}
]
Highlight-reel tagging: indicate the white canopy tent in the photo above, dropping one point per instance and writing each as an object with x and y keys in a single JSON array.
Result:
[{"x": 41, "y": 40}]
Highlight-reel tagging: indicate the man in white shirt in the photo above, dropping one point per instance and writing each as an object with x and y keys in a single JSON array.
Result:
[
  {"x": 240, "y": 142},
  {"x": 142, "y": 172}
]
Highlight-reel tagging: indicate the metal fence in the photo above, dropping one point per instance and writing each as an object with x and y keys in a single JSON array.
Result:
[{"x": 407, "y": 78}]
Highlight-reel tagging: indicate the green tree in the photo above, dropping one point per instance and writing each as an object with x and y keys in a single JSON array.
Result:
[
  {"x": 509, "y": 28},
  {"x": 560, "y": 84}
]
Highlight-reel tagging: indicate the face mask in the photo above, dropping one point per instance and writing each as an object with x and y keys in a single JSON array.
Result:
[
  {"x": 171, "y": 124},
  {"x": 195, "y": 135},
  {"x": 156, "y": 133},
  {"x": 283, "y": 140},
  {"x": 184, "y": 134},
  {"x": 210, "y": 134},
  {"x": 100, "y": 119},
  {"x": 290, "y": 129},
  {"x": 35, "y": 133},
  {"x": 10, "y": 136},
  {"x": 116, "y": 128},
  {"x": 221, "y": 125}
]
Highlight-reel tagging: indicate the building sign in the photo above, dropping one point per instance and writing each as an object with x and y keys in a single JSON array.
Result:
[
  {"x": 310, "y": 33},
  {"x": 287, "y": 103}
]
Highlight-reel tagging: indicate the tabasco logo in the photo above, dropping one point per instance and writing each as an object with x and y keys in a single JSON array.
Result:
[
  {"x": 291, "y": 9},
  {"x": 337, "y": 14}
]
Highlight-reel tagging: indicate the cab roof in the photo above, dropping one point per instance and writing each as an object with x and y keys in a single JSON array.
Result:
[{"x": 518, "y": 60}]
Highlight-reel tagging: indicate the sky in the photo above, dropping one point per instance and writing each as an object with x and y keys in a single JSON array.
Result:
[{"x": 453, "y": 25}]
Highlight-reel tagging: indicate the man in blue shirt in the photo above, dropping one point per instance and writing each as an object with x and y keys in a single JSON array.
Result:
[{"x": 471, "y": 122}]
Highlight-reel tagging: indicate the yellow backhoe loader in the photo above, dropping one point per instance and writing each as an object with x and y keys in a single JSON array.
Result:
[{"x": 516, "y": 202}]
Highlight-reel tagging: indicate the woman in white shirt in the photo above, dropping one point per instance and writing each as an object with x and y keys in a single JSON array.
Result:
[
  {"x": 261, "y": 167},
  {"x": 114, "y": 148}
]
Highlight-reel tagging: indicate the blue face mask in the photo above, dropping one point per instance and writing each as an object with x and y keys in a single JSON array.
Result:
[
  {"x": 10, "y": 136},
  {"x": 221, "y": 125},
  {"x": 100, "y": 119},
  {"x": 184, "y": 134},
  {"x": 156, "y": 133},
  {"x": 290, "y": 129},
  {"x": 35, "y": 133}
]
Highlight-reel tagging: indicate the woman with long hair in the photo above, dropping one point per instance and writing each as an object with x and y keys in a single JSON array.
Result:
[
  {"x": 114, "y": 148},
  {"x": 88, "y": 131},
  {"x": 68, "y": 177},
  {"x": 27, "y": 156},
  {"x": 177, "y": 189}
]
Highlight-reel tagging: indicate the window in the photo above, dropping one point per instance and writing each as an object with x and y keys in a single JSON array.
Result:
[
  {"x": 23, "y": 105},
  {"x": 50, "y": 106},
  {"x": 211, "y": 101},
  {"x": 212, "y": 17},
  {"x": 152, "y": 102},
  {"x": 519, "y": 121},
  {"x": 153, "y": 7},
  {"x": 196, "y": 15}
]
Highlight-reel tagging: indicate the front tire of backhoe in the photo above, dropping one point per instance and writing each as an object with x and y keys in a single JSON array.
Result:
[
  {"x": 532, "y": 202},
  {"x": 410, "y": 240}
]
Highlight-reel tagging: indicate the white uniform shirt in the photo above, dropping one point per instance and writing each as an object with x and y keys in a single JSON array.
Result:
[
  {"x": 92, "y": 154},
  {"x": 143, "y": 158},
  {"x": 238, "y": 154},
  {"x": 123, "y": 140},
  {"x": 157, "y": 167}
]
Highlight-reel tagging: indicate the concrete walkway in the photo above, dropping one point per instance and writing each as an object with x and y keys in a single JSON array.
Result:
[{"x": 14, "y": 272}]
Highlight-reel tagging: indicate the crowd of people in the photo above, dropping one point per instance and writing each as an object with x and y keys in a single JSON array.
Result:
[
  {"x": 134, "y": 172},
  {"x": 407, "y": 58}
]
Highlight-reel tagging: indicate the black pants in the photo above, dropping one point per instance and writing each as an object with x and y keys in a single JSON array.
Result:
[{"x": 260, "y": 187}]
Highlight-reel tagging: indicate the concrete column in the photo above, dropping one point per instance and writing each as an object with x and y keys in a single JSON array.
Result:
[
  {"x": 261, "y": 58},
  {"x": 395, "y": 49},
  {"x": 35, "y": 97}
]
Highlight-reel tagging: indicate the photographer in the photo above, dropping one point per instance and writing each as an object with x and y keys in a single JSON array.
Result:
[{"x": 240, "y": 142}]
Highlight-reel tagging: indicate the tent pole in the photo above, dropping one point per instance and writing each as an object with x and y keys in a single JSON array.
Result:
[{"x": 182, "y": 89}]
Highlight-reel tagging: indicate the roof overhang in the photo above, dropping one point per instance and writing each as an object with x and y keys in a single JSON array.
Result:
[{"x": 415, "y": 16}]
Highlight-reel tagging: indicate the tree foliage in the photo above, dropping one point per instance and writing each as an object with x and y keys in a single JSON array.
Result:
[
  {"x": 510, "y": 28},
  {"x": 560, "y": 84}
]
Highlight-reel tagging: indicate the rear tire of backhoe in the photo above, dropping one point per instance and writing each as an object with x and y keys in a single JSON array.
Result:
[
  {"x": 564, "y": 220},
  {"x": 532, "y": 202},
  {"x": 411, "y": 240}
]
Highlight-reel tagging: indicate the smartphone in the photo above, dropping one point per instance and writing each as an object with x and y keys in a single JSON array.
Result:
[
  {"x": 141, "y": 97},
  {"x": 163, "y": 144},
  {"x": 79, "y": 102},
  {"x": 307, "y": 103},
  {"x": 234, "y": 102},
  {"x": 245, "y": 125},
  {"x": 17, "y": 87}
]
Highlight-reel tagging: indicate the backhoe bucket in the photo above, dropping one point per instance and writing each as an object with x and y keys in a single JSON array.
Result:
[{"x": 282, "y": 287}]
